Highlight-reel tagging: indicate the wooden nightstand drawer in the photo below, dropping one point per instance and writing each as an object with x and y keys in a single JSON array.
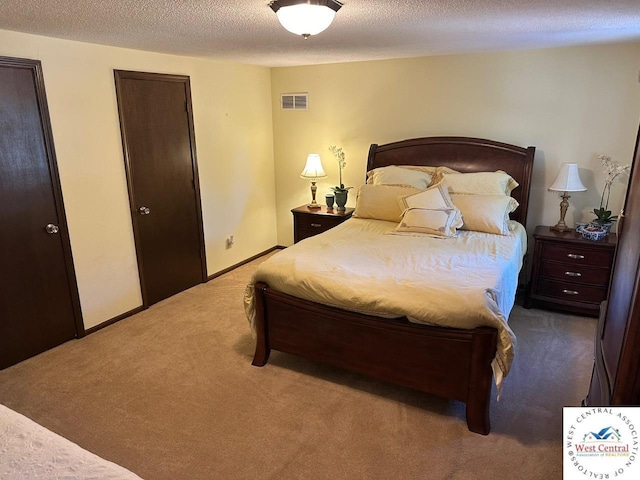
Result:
[
  {"x": 575, "y": 273},
  {"x": 568, "y": 272},
  {"x": 577, "y": 255},
  {"x": 316, "y": 224},
  {"x": 309, "y": 222},
  {"x": 573, "y": 292},
  {"x": 302, "y": 233}
]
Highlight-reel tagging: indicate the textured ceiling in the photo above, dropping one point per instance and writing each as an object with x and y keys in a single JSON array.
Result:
[{"x": 248, "y": 31}]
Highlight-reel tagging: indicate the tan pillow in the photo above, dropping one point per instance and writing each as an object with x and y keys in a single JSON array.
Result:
[
  {"x": 422, "y": 168},
  {"x": 381, "y": 202},
  {"x": 400, "y": 176},
  {"x": 426, "y": 221},
  {"x": 440, "y": 171},
  {"x": 435, "y": 172},
  {"x": 480, "y": 183},
  {"x": 485, "y": 213}
]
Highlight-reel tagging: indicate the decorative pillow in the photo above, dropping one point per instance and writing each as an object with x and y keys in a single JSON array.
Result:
[
  {"x": 434, "y": 198},
  {"x": 381, "y": 202},
  {"x": 427, "y": 221},
  {"x": 480, "y": 183},
  {"x": 400, "y": 176},
  {"x": 485, "y": 213}
]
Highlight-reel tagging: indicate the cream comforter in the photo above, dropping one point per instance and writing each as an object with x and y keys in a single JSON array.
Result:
[{"x": 460, "y": 282}]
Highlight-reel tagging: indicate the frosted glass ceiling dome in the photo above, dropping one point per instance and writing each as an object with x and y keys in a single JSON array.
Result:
[{"x": 305, "y": 17}]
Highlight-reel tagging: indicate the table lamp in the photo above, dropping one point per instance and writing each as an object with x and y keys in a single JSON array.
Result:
[
  {"x": 568, "y": 180},
  {"x": 312, "y": 171}
]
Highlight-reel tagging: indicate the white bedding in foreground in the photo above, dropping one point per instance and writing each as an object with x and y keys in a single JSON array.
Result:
[
  {"x": 28, "y": 451},
  {"x": 460, "y": 282}
]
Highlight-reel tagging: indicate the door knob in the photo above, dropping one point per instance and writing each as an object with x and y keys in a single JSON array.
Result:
[
  {"x": 144, "y": 210},
  {"x": 52, "y": 229}
]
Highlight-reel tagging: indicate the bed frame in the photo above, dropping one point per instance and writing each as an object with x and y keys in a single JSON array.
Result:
[{"x": 447, "y": 362}]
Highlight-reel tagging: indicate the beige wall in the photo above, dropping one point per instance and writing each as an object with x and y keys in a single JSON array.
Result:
[
  {"x": 571, "y": 103},
  {"x": 232, "y": 116}
]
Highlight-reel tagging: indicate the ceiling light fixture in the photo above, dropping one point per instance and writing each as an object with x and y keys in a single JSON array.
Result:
[{"x": 305, "y": 17}]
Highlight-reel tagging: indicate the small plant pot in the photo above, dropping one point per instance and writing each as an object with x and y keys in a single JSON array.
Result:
[{"x": 341, "y": 199}]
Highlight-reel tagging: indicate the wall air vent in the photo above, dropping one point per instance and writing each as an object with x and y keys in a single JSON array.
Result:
[{"x": 294, "y": 101}]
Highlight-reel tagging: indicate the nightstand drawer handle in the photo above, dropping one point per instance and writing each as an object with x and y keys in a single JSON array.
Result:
[
  {"x": 573, "y": 274},
  {"x": 570, "y": 292},
  {"x": 317, "y": 225},
  {"x": 575, "y": 256}
]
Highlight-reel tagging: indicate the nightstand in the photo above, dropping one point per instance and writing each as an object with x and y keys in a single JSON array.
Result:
[
  {"x": 309, "y": 222},
  {"x": 570, "y": 273}
]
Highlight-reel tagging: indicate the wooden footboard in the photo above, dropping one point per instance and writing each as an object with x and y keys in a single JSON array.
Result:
[{"x": 447, "y": 362}]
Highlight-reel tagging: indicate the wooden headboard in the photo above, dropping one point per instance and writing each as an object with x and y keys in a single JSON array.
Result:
[{"x": 463, "y": 154}]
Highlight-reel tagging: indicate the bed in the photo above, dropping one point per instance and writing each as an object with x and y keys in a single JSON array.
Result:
[
  {"x": 28, "y": 450},
  {"x": 451, "y": 362}
]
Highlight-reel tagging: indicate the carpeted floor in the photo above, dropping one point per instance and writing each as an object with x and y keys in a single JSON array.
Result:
[{"x": 170, "y": 393}]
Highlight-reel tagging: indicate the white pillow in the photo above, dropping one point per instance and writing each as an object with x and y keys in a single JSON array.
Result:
[
  {"x": 381, "y": 202},
  {"x": 427, "y": 221},
  {"x": 479, "y": 183},
  {"x": 485, "y": 213},
  {"x": 400, "y": 176},
  {"x": 433, "y": 198}
]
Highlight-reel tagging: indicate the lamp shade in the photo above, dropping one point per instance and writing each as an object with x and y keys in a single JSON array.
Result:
[
  {"x": 305, "y": 17},
  {"x": 568, "y": 179},
  {"x": 313, "y": 169}
]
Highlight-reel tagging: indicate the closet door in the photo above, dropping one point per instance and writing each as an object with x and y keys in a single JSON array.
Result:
[
  {"x": 39, "y": 305},
  {"x": 621, "y": 333},
  {"x": 159, "y": 149},
  {"x": 616, "y": 376}
]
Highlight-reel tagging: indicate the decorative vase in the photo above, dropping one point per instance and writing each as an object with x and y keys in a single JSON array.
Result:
[
  {"x": 593, "y": 232},
  {"x": 341, "y": 199},
  {"x": 329, "y": 199},
  {"x": 580, "y": 226}
]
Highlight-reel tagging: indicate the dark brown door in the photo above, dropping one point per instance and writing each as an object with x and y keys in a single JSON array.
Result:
[
  {"x": 39, "y": 305},
  {"x": 159, "y": 149},
  {"x": 621, "y": 333}
]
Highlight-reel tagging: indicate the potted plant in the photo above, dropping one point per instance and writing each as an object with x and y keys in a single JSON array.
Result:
[
  {"x": 340, "y": 191},
  {"x": 604, "y": 218}
]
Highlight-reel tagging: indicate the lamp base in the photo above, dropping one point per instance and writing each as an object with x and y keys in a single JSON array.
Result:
[
  {"x": 313, "y": 205},
  {"x": 561, "y": 228}
]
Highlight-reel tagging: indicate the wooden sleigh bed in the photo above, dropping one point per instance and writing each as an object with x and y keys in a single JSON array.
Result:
[{"x": 447, "y": 362}]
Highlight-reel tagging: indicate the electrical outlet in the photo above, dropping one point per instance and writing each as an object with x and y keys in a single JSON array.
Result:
[{"x": 230, "y": 241}]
